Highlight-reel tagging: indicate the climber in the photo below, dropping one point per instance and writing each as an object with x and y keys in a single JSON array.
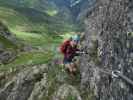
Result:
[{"x": 69, "y": 49}]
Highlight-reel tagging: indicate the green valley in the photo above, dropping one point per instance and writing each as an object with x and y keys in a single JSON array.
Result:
[{"x": 35, "y": 29}]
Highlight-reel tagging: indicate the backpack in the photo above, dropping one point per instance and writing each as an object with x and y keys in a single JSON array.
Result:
[{"x": 63, "y": 47}]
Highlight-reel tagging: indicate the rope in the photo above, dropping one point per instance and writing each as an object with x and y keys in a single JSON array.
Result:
[
  {"x": 117, "y": 74},
  {"x": 125, "y": 78},
  {"x": 114, "y": 74}
]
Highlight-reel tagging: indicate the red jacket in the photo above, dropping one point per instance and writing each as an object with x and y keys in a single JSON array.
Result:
[{"x": 69, "y": 51}]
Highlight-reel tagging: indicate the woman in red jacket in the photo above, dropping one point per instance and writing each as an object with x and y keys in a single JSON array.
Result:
[{"x": 69, "y": 50}]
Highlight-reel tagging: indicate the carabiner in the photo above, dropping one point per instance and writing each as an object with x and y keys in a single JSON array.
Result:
[{"x": 115, "y": 74}]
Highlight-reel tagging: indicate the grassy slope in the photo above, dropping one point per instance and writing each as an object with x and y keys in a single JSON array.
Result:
[
  {"x": 31, "y": 20},
  {"x": 30, "y": 28},
  {"x": 6, "y": 43},
  {"x": 19, "y": 24},
  {"x": 28, "y": 58},
  {"x": 36, "y": 29},
  {"x": 17, "y": 21}
]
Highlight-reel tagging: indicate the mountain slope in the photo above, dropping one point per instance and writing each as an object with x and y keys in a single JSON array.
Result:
[
  {"x": 74, "y": 6},
  {"x": 8, "y": 45},
  {"x": 35, "y": 20}
]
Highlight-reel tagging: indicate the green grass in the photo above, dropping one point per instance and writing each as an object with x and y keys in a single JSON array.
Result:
[
  {"x": 12, "y": 18},
  {"x": 70, "y": 97},
  {"x": 22, "y": 20},
  {"x": 28, "y": 58},
  {"x": 50, "y": 43},
  {"x": 34, "y": 33},
  {"x": 35, "y": 40},
  {"x": 52, "y": 12},
  {"x": 6, "y": 43}
]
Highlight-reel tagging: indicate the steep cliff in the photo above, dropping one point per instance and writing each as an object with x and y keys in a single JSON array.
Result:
[
  {"x": 108, "y": 41},
  {"x": 109, "y": 45}
]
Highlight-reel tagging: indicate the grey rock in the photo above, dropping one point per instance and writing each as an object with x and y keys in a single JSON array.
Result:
[
  {"x": 106, "y": 39},
  {"x": 22, "y": 85},
  {"x": 64, "y": 91},
  {"x": 40, "y": 89}
]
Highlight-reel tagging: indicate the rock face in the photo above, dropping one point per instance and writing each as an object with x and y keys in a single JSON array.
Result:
[
  {"x": 64, "y": 91},
  {"x": 39, "y": 82},
  {"x": 22, "y": 85},
  {"x": 110, "y": 49},
  {"x": 130, "y": 17}
]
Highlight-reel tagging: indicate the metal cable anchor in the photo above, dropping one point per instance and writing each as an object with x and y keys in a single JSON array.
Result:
[{"x": 115, "y": 74}]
